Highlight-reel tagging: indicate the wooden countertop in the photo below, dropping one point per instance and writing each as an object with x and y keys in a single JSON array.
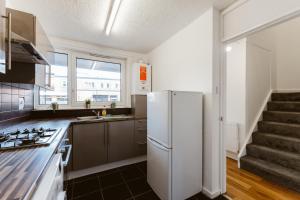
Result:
[{"x": 22, "y": 169}]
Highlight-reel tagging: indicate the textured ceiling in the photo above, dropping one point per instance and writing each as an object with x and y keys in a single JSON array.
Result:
[{"x": 140, "y": 26}]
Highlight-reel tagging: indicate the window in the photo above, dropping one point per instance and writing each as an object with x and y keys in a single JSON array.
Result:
[
  {"x": 58, "y": 80},
  {"x": 75, "y": 77},
  {"x": 97, "y": 74}
]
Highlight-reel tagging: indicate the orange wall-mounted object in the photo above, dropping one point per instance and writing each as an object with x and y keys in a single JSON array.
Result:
[{"x": 143, "y": 72}]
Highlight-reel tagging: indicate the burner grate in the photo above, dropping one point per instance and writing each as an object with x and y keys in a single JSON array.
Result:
[{"x": 26, "y": 138}]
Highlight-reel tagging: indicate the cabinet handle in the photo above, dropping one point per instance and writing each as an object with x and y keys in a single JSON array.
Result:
[
  {"x": 9, "y": 41},
  {"x": 8, "y": 17},
  {"x": 49, "y": 78},
  {"x": 104, "y": 134},
  {"x": 107, "y": 133},
  {"x": 65, "y": 162},
  {"x": 141, "y": 143}
]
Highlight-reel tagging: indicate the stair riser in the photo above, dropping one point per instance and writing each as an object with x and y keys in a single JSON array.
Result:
[
  {"x": 276, "y": 143},
  {"x": 269, "y": 176},
  {"x": 274, "y": 158},
  {"x": 290, "y": 107},
  {"x": 279, "y": 129},
  {"x": 286, "y": 97},
  {"x": 282, "y": 117}
]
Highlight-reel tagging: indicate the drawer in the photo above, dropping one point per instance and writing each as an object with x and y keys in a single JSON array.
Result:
[
  {"x": 141, "y": 124},
  {"x": 140, "y": 138},
  {"x": 141, "y": 132}
]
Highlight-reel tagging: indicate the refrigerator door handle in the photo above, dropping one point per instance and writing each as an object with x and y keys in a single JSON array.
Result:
[{"x": 158, "y": 145}]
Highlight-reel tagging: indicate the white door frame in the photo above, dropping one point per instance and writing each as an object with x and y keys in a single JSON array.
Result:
[{"x": 223, "y": 68}]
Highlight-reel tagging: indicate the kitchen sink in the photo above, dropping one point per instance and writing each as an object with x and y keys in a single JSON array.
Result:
[
  {"x": 107, "y": 117},
  {"x": 115, "y": 116},
  {"x": 89, "y": 118}
]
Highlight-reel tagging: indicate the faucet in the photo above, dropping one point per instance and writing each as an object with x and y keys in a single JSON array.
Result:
[{"x": 97, "y": 113}]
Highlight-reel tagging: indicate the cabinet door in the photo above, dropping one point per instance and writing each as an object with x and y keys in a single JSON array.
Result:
[
  {"x": 120, "y": 140},
  {"x": 90, "y": 147},
  {"x": 43, "y": 44},
  {"x": 3, "y": 32}
]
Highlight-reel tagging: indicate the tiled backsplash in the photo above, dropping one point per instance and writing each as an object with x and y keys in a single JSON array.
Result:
[{"x": 9, "y": 100}]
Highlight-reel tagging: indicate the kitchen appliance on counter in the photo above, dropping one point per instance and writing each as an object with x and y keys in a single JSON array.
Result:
[
  {"x": 27, "y": 138},
  {"x": 174, "y": 146}
]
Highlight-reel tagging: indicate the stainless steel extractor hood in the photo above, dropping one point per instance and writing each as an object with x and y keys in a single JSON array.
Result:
[{"x": 24, "y": 51}]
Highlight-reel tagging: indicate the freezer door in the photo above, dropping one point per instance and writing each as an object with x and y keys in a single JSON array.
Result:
[
  {"x": 159, "y": 169},
  {"x": 159, "y": 117}
]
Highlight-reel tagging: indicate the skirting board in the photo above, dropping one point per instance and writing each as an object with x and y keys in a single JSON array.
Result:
[
  {"x": 210, "y": 194},
  {"x": 108, "y": 166},
  {"x": 286, "y": 90},
  {"x": 232, "y": 155},
  {"x": 228, "y": 197}
]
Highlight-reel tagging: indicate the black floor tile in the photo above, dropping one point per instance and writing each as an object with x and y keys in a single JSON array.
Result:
[
  {"x": 91, "y": 196},
  {"x": 119, "y": 192},
  {"x": 85, "y": 187},
  {"x": 117, "y": 184},
  {"x": 131, "y": 172},
  {"x": 69, "y": 191},
  {"x": 201, "y": 196},
  {"x": 148, "y": 196},
  {"x": 139, "y": 186},
  {"x": 107, "y": 172},
  {"x": 111, "y": 180},
  {"x": 142, "y": 166},
  {"x": 84, "y": 178}
]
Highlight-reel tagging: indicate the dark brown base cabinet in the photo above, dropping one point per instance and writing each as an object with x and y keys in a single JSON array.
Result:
[
  {"x": 90, "y": 145},
  {"x": 103, "y": 142},
  {"x": 120, "y": 140}
]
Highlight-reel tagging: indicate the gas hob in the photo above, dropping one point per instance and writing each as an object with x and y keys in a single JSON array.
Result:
[{"x": 27, "y": 138}]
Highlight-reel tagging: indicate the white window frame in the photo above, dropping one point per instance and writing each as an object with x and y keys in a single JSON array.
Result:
[
  {"x": 120, "y": 103},
  {"x": 37, "y": 104},
  {"x": 72, "y": 83}
]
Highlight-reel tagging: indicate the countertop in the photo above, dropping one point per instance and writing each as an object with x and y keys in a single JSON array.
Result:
[{"x": 22, "y": 169}]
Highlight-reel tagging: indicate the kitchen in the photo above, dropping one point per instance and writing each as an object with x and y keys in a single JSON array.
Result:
[{"x": 95, "y": 120}]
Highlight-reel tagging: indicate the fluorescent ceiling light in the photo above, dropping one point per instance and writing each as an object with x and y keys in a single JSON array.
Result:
[{"x": 112, "y": 16}]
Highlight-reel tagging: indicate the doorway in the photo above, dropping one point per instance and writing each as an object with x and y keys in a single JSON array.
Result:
[{"x": 256, "y": 66}]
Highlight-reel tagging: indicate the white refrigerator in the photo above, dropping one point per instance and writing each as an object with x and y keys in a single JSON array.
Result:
[{"x": 174, "y": 143}]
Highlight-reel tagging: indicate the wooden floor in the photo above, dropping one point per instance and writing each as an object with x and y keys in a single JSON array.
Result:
[{"x": 242, "y": 185}]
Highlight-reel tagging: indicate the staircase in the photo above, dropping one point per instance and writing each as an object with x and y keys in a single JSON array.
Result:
[{"x": 275, "y": 149}]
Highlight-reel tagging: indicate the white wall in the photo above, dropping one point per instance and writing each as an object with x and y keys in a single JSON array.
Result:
[
  {"x": 247, "y": 15},
  {"x": 283, "y": 40},
  {"x": 236, "y": 92},
  {"x": 189, "y": 61},
  {"x": 248, "y": 82},
  {"x": 258, "y": 81},
  {"x": 287, "y": 42}
]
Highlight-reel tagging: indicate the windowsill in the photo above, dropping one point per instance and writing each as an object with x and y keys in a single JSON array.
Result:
[{"x": 79, "y": 108}]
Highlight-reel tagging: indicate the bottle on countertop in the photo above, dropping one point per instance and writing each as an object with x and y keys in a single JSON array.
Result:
[{"x": 104, "y": 112}]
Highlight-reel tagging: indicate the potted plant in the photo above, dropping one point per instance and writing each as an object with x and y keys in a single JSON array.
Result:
[
  {"x": 113, "y": 105},
  {"x": 87, "y": 103},
  {"x": 54, "y": 106}
]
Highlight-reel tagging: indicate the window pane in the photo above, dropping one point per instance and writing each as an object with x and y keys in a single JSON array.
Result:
[
  {"x": 59, "y": 81},
  {"x": 97, "y": 80}
]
